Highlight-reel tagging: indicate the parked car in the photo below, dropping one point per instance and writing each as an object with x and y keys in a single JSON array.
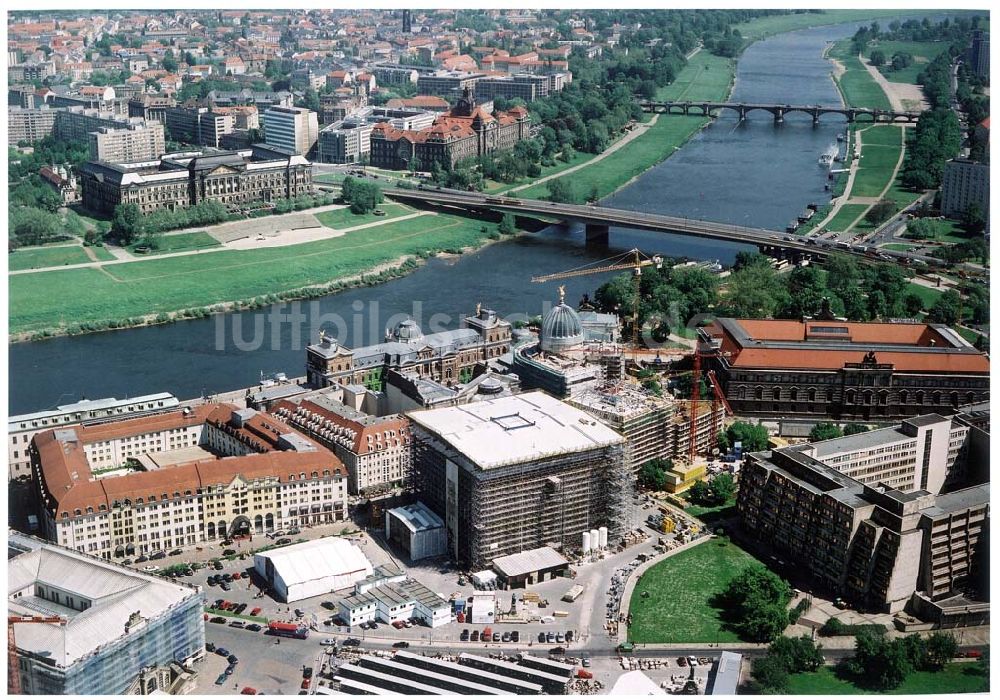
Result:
[
  {"x": 560, "y": 638},
  {"x": 151, "y": 568},
  {"x": 237, "y": 575},
  {"x": 232, "y": 659},
  {"x": 228, "y": 552},
  {"x": 221, "y": 680},
  {"x": 408, "y": 623},
  {"x": 401, "y": 645},
  {"x": 126, "y": 562},
  {"x": 240, "y": 608},
  {"x": 210, "y": 647},
  {"x": 226, "y": 586},
  {"x": 238, "y": 623},
  {"x": 496, "y": 636},
  {"x": 255, "y": 612},
  {"x": 306, "y": 683},
  {"x": 550, "y": 637},
  {"x": 218, "y": 566},
  {"x": 141, "y": 558},
  {"x": 541, "y": 637},
  {"x": 681, "y": 661},
  {"x": 307, "y": 672},
  {"x": 247, "y": 690},
  {"x": 212, "y": 581},
  {"x": 557, "y": 651},
  {"x": 175, "y": 552},
  {"x": 219, "y": 620},
  {"x": 298, "y": 612},
  {"x": 254, "y": 627},
  {"x": 226, "y": 542},
  {"x": 158, "y": 555},
  {"x": 515, "y": 636},
  {"x": 475, "y": 636},
  {"x": 464, "y": 637},
  {"x": 586, "y": 661},
  {"x": 328, "y": 605},
  {"x": 284, "y": 540},
  {"x": 373, "y": 625},
  {"x": 352, "y": 642},
  {"x": 295, "y": 531},
  {"x": 222, "y": 651},
  {"x": 227, "y": 578},
  {"x": 569, "y": 635}
]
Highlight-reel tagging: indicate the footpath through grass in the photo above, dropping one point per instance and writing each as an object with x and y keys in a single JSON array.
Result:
[
  {"x": 680, "y": 588},
  {"x": 61, "y": 299},
  {"x": 880, "y": 149},
  {"x": 857, "y": 86},
  {"x": 52, "y": 256},
  {"x": 705, "y": 77},
  {"x": 953, "y": 678}
]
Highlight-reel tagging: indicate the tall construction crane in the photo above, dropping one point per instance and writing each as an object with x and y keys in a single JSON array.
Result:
[
  {"x": 632, "y": 260},
  {"x": 717, "y": 398},
  {"x": 13, "y": 672}
]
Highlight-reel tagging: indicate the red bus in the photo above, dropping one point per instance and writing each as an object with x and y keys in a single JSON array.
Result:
[{"x": 288, "y": 629}]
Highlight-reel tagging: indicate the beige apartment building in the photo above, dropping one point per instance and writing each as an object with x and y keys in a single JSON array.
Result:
[
  {"x": 129, "y": 144},
  {"x": 153, "y": 483}
]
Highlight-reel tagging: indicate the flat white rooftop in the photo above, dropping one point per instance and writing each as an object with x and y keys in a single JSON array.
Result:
[{"x": 515, "y": 429}]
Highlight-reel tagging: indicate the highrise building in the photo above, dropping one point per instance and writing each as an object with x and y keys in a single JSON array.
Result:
[{"x": 293, "y": 128}]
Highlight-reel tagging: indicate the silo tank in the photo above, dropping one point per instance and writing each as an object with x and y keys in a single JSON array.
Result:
[
  {"x": 586, "y": 542},
  {"x": 603, "y": 535}
]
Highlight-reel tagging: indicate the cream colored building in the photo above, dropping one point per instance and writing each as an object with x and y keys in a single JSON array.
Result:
[
  {"x": 129, "y": 144},
  {"x": 180, "y": 478}
]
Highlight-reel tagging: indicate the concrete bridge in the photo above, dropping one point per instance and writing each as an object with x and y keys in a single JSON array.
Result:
[
  {"x": 598, "y": 221},
  {"x": 852, "y": 114}
]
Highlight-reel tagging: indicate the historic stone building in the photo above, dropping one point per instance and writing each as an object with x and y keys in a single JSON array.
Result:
[
  {"x": 467, "y": 131},
  {"x": 850, "y": 371},
  {"x": 446, "y": 357},
  {"x": 238, "y": 180}
]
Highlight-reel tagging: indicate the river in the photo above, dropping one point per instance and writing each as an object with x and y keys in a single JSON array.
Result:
[{"x": 752, "y": 174}]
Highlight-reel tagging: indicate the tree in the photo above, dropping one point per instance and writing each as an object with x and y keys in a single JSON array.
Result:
[
  {"x": 169, "y": 63},
  {"x": 913, "y": 303},
  {"x": 698, "y": 493},
  {"x": 753, "y": 438},
  {"x": 824, "y": 431},
  {"x": 855, "y": 428},
  {"x": 126, "y": 224},
  {"x": 560, "y": 191},
  {"x": 653, "y": 474},
  {"x": 941, "y": 648},
  {"x": 880, "y": 211},
  {"x": 797, "y": 654},
  {"x": 974, "y": 219},
  {"x": 946, "y": 309},
  {"x": 769, "y": 676},
  {"x": 721, "y": 488},
  {"x": 877, "y": 58},
  {"x": 508, "y": 225},
  {"x": 756, "y": 600}
]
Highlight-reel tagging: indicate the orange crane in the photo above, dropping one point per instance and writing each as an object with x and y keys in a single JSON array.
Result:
[
  {"x": 717, "y": 398},
  {"x": 632, "y": 260},
  {"x": 13, "y": 671}
]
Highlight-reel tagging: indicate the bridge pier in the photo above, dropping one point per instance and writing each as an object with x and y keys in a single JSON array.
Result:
[
  {"x": 815, "y": 116},
  {"x": 598, "y": 234},
  {"x": 779, "y": 116}
]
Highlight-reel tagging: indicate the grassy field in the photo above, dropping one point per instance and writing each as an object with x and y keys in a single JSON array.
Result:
[
  {"x": 927, "y": 294},
  {"x": 706, "y": 77},
  {"x": 846, "y": 216},
  {"x": 953, "y": 678},
  {"x": 345, "y": 218},
  {"x": 51, "y": 256},
  {"x": 62, "y": 298},
  {"x": 856, "y": 85},
  {"x": 923, "y": 52},
  {"x": 179, "y": 242},
  {"x": 880, "y": 149},
  {"x": 677, "y": 608}
]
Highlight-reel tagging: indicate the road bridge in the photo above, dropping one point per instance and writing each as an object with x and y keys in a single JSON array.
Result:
[
  {"x": 852, "y": 114},
  {"x": 598, "y": 221}
]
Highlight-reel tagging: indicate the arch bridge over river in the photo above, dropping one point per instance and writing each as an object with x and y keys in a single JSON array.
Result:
[{"x": 852, "y": 114}]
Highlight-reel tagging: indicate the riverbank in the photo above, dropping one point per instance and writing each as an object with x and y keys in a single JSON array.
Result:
[
  {"x": 705, "y": 77},
  {"x": 156, "y": 291}
]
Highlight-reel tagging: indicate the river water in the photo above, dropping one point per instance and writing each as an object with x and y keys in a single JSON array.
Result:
[{"x": 752, "y": 174}]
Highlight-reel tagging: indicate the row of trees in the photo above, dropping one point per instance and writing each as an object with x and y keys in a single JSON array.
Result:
[
  {"x": 936, "y": 138},
  {"x": 751, "y": 436},
  {"x": 715, "y": 492},
  {"x": 128, "y": 223},
  {"x": 829, "y": 431},
  {"x": 785, "y": 656},
  {"x": 883, "y": 664}
]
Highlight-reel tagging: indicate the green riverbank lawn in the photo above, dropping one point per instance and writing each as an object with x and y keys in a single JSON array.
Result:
[
  {"x": 923, "y": 52},
  {"x": 767, "y": 26},
  {"x": 345, "y": 218},
  {"x": 953, "y": 678},
  {"x": 846, "y": 216},
  {"x": 193, "y": 240},
  {"x": 705, "y": 77},
  {"x": 856, "y": 85},
  {"x": 50, "y": 300},
  {"x": 928, "y": 295},
  {"x": 680, "y": 587},
  {"x": 51, "y": 256},
  {"x": 880, "y": 150}
]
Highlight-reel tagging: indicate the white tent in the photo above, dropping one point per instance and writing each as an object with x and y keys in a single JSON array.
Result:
[{"x": 312, "y": 568}]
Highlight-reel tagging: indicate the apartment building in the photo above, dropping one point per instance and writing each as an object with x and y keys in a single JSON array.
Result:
[
  {"x": 152, "y": 108},
  {"x": 883, "y": 547},
  {"x": 965, "y": 182},
  {"x": 197, "y": 125},
  {"x": 136, "y": 142},
  {"x": 349, "y": 140},
  {"x": 29, "y": 125},
  {"x": 295, "y": 129},
  {"x": 448, "y": 83},
  {"x": 148, "y": 484},
  {"x": 522, "y": 86},
  {"x": 22, "y": 428},
  {"x": 395, "y": 75},
  {"x": 377, "y": 451}
]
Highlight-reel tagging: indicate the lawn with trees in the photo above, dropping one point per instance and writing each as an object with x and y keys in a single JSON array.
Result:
[
  {"x": 675, "y": 600},
  {"x": 51, "y": 256}
]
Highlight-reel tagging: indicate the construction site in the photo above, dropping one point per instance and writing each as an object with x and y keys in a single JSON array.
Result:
[{"x": 520, "y": 472}]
